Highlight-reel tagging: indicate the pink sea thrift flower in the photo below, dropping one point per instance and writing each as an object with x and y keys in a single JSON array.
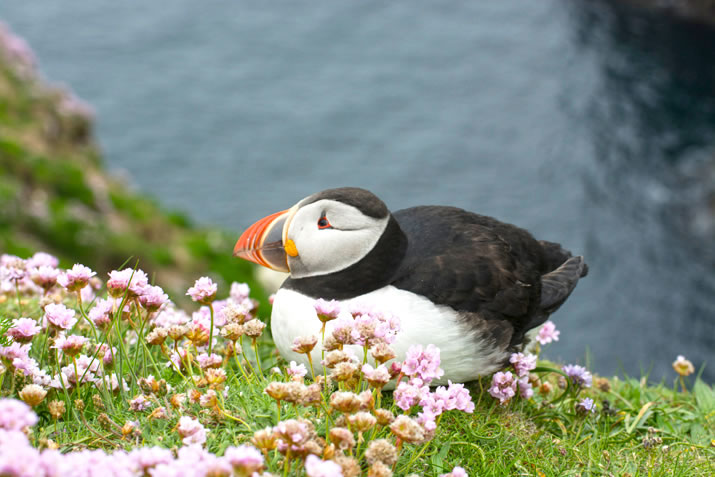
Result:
[
  {"x": 139, "y": 403},
  {"x": 410, "y": 393},
  {"x": 42, "y": 259},
  {"x": 59, "y": 316},
  {"x": 44, "y": 276},
  {"x": 578, "y": 375},
  {"x": 244, "y": 459},
  {"x": 525, "y": 388},
  {"x": 101, "y": 313},
  {"x": 191, "y": 430},
  {"x": 503, "y": 386},
  {"x": 327, "y": 310},
  {"x": 15, "y": 351},
  {"x": 141, "y": 459},
  {"x": 456, "y": 472},
  {"x": 152, "y": 298},
  {"x": 23, "y": 329},
  {"x": 76, "y": 277},
  {"x": 12, "y": 268},
  {"x": 170, "y": 316},
  {"x": 423, "y": 363},
  {"x": 128, "y": 281},
  {"x": 203, "y": 291},
  {"x": 70, "y": 345},
  {"x": 296, "y": 370},
  {"x": 316, "y": 467},
  {"x": 455, "y": 397},
  {"x": 523, "y": 363},
  {"x": 16, "y": 415},
  {"x": 239, "y": 292},
  {"x": 206, "y": 361},
  {"x": 548, "y": 333}
]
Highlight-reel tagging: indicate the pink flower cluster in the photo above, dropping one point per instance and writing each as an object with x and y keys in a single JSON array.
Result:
[
  {"x": 327, "y": 310},
  {"x": 17, "y": 357},
  {"x": 18, "y": 457},
  {"x": 15, "y": 416},
  {"x": 456, "y": 396},
  {"x": 316, "y": 467},
  {"x": 76, "y": 277},
  {"x": 203, "y": 291},
  {"x": 364, "y": 326},
  {"x": 421, "y": 365},
  {"x": 503, "y": 386},
  {"x": 547, "y": 333},
  {"x": 23, "y": 330}
]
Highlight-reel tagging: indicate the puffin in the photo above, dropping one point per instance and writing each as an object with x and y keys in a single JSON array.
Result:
[{"x": 473, "y": 286}]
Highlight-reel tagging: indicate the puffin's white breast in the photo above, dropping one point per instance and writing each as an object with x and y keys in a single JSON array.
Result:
[{"x": 464, "y": 355}]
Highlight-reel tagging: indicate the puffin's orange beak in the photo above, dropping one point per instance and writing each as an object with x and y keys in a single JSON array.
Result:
[{"x": 262, "y": 242}]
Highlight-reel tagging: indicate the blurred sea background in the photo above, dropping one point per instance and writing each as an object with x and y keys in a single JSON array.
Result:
[{"x": 586, "y": 122}]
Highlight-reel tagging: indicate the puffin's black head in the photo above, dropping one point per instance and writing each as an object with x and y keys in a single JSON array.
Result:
[{"x": 322, "y": 234}]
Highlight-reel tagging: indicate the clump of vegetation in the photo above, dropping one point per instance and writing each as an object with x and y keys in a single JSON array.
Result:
[{"x": 118, "y": 377}]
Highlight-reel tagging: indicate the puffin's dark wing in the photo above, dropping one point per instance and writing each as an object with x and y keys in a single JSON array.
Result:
[{"x": 478, "y": 266}]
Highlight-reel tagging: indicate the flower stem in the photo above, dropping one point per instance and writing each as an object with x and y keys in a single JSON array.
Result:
[
  {"x": 254, "y": 345},
  {"x": 310, "y": 362},
  {"x": 238, "y": 362},
  {"x": 211, "y": 330}
]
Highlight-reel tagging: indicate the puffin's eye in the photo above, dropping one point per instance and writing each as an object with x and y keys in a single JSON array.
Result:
[{"x": 323, "y": 223}]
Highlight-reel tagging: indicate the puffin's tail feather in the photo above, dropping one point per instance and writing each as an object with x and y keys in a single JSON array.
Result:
[
  {"x": 555, "y": 256},
  {"x": 556, "y": 286}
]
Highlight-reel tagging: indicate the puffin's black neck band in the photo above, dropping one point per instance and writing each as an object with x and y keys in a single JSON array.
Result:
[{"x": 374, "y": 271}]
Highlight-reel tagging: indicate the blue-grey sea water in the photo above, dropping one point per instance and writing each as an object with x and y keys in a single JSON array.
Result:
[{"x": 587, "y": 123}]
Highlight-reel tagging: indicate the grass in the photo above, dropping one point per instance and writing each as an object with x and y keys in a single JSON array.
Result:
[{"x": 638, "y": 429}]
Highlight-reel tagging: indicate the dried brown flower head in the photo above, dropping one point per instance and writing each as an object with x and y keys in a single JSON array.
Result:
[
  {"x": 683, "y": 366},
  {"x": 350, "y": 465},
  {"x": 334, "y": 357},
  {"x": 198, "y": 335},
  {"x": 344, "y": 371},
  {"x": 384, "y": 417},
  {"x": 33, "y": 394},
  {"x": 381, "y": 450},
  {"x": 157, "y": 336},
  {"x": 312, "y": 395},
  {"x": 178, "y": 400},
  {"x": 331, "y": 344},
  {"x": 362, "y": 421},
  {"x": 264, "y": 439},
  {"x": 382, "y": 353},
  {"x": 277, "y": 390},
  {"x": 342, "y": 438},
  {"x": 407, "y": 429},
  {"x": 378, "y": 469},
  {"x": 233, "y": 331},
  {"x": 304, "y": 344},
  {"x": 254, "y": 328},
  {"x": 345, "y": 401},
  {"x": 176, "y": 332}
]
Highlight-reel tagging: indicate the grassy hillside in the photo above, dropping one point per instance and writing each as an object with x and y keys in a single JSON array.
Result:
[{"x": 56, "y": 196}]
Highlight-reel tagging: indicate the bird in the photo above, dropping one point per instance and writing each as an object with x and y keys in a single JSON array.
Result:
[{"x": 475, "y": 287}]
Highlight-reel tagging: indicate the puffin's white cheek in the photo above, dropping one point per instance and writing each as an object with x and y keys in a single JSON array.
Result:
[{"x": 330, "y": 251}]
